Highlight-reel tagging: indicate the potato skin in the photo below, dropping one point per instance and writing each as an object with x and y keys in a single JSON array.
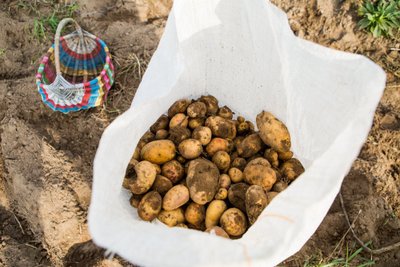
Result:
[
  {"x": 217, "y": 144},
  {"x": 173, "y": 170},
  {"x": 272, "y": 156},
  {"x": 221, "y": 127},
  {"x": 150, "y": 206},
  {"x": 161, "y": 124},
  {"x": 145, "y": 176},
  {"x": 179, "y": 119},
  {"x": 221, "y": 194},
  {"x": 273, "y": 132},
  {"x": 234, "y": 222},
  {"x": 214, "y": 212},
  {"x": 190, "y": 148},
  {"x": 260, "y": 175},
  {"x": 211, "y": 104},
  {"x": 225, "y": 113},
  {"x": 256, "y": 201},
  {"x": 176, "y": 197},
  {"x": 239, "y": 163},
  {"x": 203, "y": 134},
  {"x": 197, "y": 110},
  {"x": 172, "y": 217},
  {"x": 162, "y": 184},
  {"x": 237, "y": 195},
  {"x": 202, "y": 180},
  {"x": 250, "y": 146},
  {"x": 236, "y": 175},
  {"x": 159, "y": 151},
  {"x": 179, "y": 106},
  {"x": 222, "y": 160},
  {"x": 224, "y": 181},
  {"x": 292, "y": 169},
  {"x": 178, "y": 134},
  {"x": 195, "y": 214}
]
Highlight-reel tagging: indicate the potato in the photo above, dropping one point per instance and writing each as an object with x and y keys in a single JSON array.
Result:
[
  {"x": 285, "y": 155},
  {"x": 239, "y": 163},
  {"x": 221, "y": 194},
  {"x": 259, "y": 161},
  {"x": 190, "y": 148},
  {"x": 179, "y": 106},
  {"x": 203, "y": 134},
  {"x": 161, "y": 134},
  {"x": 292, "y": 169},
  {"x": 216, "y": 230},
  {"x": 224, "y": 181},
  {"x": 250, "y": 146},
  {"x": 146, "y": 138},
  {"x": 173, "y": 170},
  {"x": 236, "y": 175},
  {"x": 179, "y": 119},
  {"x": 240, "y": 119},
  {"x": 135, "y": 199},
  {"x": 243, "y": 128},
  {"x": 256, "y": 201},
  {"x": 150, "y": 206},
  {"x": 182, "y": 225},
  {"x": 172, "y": 217},
  {"x": 271, "y": 195},
  {"x": 127, "y": 182},
  {"x": 214, "y": 212},
  {"x": 279, "y": 186},
  {"x": 176, "y": 197},
  {"x": 196, "y": 122},
  {"x": 237, "y": 141},
  {"x": 202, "y": 180},
  {"x": 234, "y": 222},
  {"x": 159, "y": 151},
  {"x": 162, "y": 184},
  {"x": 221, "y": 127},
  {"x": 237, "y": 195},
  {"x": 225, "y": 113},
  {"x": 211, "y": 104},
  {"x": 197, "y": 110},
  {"x": 161, "y": 124},
  {"x": 272, "y": 156},
  {"x": 222, "y": 160},
  {"x": 145, "y": 176},
  {"x": 178, "y": 134},
  {"x": 195, "y": 214},
  {"x": 273, "y": 132},
  {"x": 218, "y": 144},
  {"x": 261, "y": 175}
]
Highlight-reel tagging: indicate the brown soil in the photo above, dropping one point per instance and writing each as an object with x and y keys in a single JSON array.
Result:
[{"x": 46, "y": 157}]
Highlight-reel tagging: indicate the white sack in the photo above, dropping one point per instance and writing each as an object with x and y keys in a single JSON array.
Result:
[{"x": 244, "y": 53}]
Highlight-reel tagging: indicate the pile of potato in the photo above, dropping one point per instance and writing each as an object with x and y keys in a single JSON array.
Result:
[{"x": 199, "y": 168}]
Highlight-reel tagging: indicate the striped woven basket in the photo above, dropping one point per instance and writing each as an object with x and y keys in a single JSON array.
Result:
[{"x": 76, "y": 72}]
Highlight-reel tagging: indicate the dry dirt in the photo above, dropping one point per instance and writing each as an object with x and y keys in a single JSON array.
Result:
[{"x": 46, "y": 157}]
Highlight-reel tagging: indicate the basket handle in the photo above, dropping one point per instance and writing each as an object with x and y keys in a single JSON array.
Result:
[{"x": 60, "y": 26}]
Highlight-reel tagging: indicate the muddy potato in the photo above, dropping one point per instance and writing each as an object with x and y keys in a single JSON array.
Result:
[
  {"x": 190, "y": 148},
  {"x": 218, "y": 144},
  {"x": 256, "y": 201},
  {"x": 173, "y": 170},
  {"x": 250, "y": 146},
  {"x": 234, "y": 222},
  {"x": 259, "y": 161},
  {"x": 221, "y": 194},
  {"x": 214, "y": 212},
  {"x": 195, "y": 214},
  {"x": 162, "y": 184},
  {"x": 178, "y": 134},
  {"x": 161, "y": 134},
  {"x": 176, "y": 197},
  {"x": 221, "y": 127},
  {"x": 197, "y": 110},
  {"x": 135, "y": 199},
  {"x": 225, "y": 113},
  {"x": 216, "y": 230},
  {"x": 236, "y": 175},
  {"x": 224, "y": 181},
  {"x": 179, "y": 106},
  {"x": 242, "y": 128},
  {"x": 237, "y": 195},
  {"x": 172, "y": 217},
  {"x": 211, "y": 104},
  {"x": 196, "y": 122},
  {"x": 285, "y": 155},
  {"x": 292, "y": 169},
  {"x": 273, "y": 132},
  {"x": 272, "y": 156},
  {"x": 279, "y": 186},
  {"x": 222, "y": 160},
  {"x": 239, "y": 163},
  {"x": 261, "y": 175},
  {"x": 202, "y": 180},
  {"x": 271, "y": 195},
  {"x": 158, "y": 152},
  {"x": 150, "y": 206},
  {"x": 161, "y": 124},
  {"x": 144, "y": 179},
  {"x": 203, "y": 134},
  {"x": 179, "y": 119}
]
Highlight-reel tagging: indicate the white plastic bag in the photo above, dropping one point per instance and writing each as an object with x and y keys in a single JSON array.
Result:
[{"x": 244, "y": 53}]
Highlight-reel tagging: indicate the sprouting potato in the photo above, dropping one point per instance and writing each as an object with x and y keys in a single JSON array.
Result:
[
  {"x": 222, "y": 160},
  {"x": 216, "y": 230},
  {"x": 237, "y": 195},
  {"x": 292, "y": 169},
  {"x": 273, "y": 132},
  {"x": 234, "y": 222},
  {"x": 178, "y": 134},
  {"x": 279, "y": 186},
  {"x": 197, "y": 110},
  {"x": 150, "y": 206},
  {"x": 176, "y": 197},
  {"x": 239, "y": 163},
  {"x": 272, "y": 156},
  {"x": 145, "y": 176},
  {"x": 236, "y": 175},
  {"x": 196, "y": 122},
  {"x": 161, "y": 134},
  {"x": 256, "y": 201},
  {"x": 179, "y": 106},
  {"x": 211, "y": 104},
  {"x": 190, "y": 148},
  {"x": 221, "y": 127},
  {"x": 173, "y": 170},
  {"x": 224, "y": 181},
  {"x": 162, "y": 184},
  {"x": 172, "y": 217},
  {"x": 161, "y": 124},
  {"x": 203, "y": 134},
  {"x": 225, "y": 113},
  {"x": 221, "y": 194},
  {"x": 195, "y": 214},
  {"x": 179, "y": 119},
  {"x": 159, "y": 151},
  {"x": 260, "y": 175},
  {"x": 218, "y": 144},
  {"x": 214, "y": 212},
  {"x": 250, "y": 146},
  {"x": 271, "y": 195}
]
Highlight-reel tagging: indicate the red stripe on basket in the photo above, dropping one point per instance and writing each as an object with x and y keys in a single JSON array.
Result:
[{"x": 92, "y": 54}]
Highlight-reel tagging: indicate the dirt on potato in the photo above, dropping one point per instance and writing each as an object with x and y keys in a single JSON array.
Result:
[{"x": 46, "y": 157}]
